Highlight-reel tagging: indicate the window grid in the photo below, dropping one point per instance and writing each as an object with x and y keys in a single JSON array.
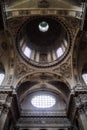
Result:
[{"x": 43, "y": 101}]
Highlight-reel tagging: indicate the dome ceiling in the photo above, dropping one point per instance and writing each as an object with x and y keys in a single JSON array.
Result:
[{"x": 43, "y": 40}]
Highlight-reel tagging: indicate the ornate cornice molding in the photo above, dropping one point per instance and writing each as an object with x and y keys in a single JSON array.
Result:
[{"x": 41, "y": 11}]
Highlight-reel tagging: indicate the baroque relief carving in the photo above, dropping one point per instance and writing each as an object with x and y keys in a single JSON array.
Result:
[
  {"x": 83, "y": 98},
  {"x": 21, "y": 68},
  {"x": 81, "y": 101},
  {"x": 78, "y": 103},
  {"x": 43, "y": 4},
  {"x": 5, "y": 109},
  {"x": 65, "y": 69},
  {"x": 3, "y": 97},
  {"x": 15, "y": 23},
  {"x": 9, "y": 80},
  {"x": 73, "y": 24}
]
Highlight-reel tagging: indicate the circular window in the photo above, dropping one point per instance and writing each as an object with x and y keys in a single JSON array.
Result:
[
  {"x": 43, "y": 41},
  {"x": 43, "y": 101},
  {"x": 43, "y": 26}
]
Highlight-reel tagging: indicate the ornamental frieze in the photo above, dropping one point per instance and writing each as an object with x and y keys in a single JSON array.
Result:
[
  {"x": 65, "y": 69},
  {"x": 47, "y": 11},
  {"x": 21, "y": 68}
]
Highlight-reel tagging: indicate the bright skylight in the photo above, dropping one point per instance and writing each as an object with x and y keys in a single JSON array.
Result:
[
  {"x": 43, "y": 26},
  {"x": 27, "y": 52},
  {"x": 1, "y": 77},
  {"x": 43, "y": 101},
  {"x": 59, "y": 52},
  {"x": 84, "y": 76}
]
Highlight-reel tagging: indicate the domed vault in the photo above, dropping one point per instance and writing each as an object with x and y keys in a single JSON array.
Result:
[{"x": 43, "y": 41}]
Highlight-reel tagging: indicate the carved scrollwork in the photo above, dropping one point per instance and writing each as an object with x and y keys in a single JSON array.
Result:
[
  {"x": 83, "y": 98},
  {"x": 78, "y": 102},
  {"x": 3, "y": 97},
  {"x": 10, "y": 80},
  {"x": 21, "y": 68},
  {"x": 43, "y": 4},
  {"x": 14, "y": 24},
  {"x": 74, "y": 25},
  {"x": 81, "y": 101},
  {"x": 5, "y": 109},
  {"x": 65, "y": 69}
]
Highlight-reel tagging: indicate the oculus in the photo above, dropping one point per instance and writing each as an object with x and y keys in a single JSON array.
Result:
[{"x": 43, "y": 26}]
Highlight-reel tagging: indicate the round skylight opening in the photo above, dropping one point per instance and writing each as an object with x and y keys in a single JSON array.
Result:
[
  {"x": 43, "y": 101},
  {"x": 43, "y": 26}
]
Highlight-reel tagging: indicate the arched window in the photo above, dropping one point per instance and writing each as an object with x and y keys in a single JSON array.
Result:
[
  {"x": 84, "y": 73},
  {"x": 2, "y": 73},
  {"x": 27, "y": 52},
  {"x": 59, "y": 52}
]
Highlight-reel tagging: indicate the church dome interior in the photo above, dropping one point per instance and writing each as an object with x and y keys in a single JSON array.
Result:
[
  {"x": 43, "y": 65},
  {"x": 43, "y": 41}
]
